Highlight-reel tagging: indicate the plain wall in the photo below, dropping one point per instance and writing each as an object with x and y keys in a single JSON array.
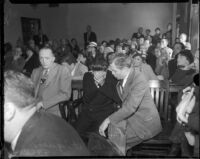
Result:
[
  {"x": 117, "y": 20},
  {"x": 108, "y": 20},
  {"x": 13, "y": 30}
]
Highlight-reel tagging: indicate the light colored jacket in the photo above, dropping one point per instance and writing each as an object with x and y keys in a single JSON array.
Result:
[
  {"x": 57, "y": 87},
  {"x": 138, "y": 108}
]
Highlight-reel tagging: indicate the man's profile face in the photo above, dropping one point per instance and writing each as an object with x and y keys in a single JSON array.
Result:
[
  {"x": 46, "y": 58},
  {"x": 117, "y": 73}
]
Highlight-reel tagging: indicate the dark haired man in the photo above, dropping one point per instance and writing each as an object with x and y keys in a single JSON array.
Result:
[
  {"x": 89, "y": 36},
  {"x": 156, "y": 38},
  {"x": 172, "y": 64},
  {"x": 138, "y": 34},
  {"x": 184, "y": 73},
  {"x": 31, "y": 132},
  {"x": 52, "y": 82},
  {"x": 40, "y": 38}
]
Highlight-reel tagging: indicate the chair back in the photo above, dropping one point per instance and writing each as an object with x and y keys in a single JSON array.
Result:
[{"x": 160, "y": 93}]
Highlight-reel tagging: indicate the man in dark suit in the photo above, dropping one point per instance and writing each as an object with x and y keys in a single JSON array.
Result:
[
  {"x": 139, "y": 34},
  {"x": 31, "y": 132},
  {"x": 89, "y": 36},
  {"x": 40, "y": 39},
  {"x": 138, "y": 118}
]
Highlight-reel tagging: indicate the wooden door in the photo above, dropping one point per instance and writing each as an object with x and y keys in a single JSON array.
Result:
[{"x": 30, "y": 27}]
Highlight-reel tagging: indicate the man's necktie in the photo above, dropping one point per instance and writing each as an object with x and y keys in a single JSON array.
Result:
[
  {"x": 44, "y": 76},
  {"x": 120, "y": 86}
]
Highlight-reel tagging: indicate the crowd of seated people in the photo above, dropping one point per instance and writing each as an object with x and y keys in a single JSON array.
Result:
[{"x": 153, "y": 56}]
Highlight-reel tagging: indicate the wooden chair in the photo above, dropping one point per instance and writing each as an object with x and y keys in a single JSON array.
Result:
[
  {"x": 160, "y": 94},
  {"x": 73, "y": 103},
  {"x": 159, "y": 145}
]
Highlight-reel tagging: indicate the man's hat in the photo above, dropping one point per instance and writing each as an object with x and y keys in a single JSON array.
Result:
[{"x": 92, "y": 44}]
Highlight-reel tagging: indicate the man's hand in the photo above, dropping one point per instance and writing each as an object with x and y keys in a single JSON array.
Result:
[
  {"x": 104, "y": 126},
  {"x": 39, "y": 105},
  {"x": 190, "y": 138}
]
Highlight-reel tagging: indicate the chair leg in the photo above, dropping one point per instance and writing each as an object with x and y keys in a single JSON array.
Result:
[
  {"x": 71, "y": 114},
  {"x": 62, "y": 111}
]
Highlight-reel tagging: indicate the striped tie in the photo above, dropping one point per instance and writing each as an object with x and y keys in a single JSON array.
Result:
[
  {"x": 44, "y": 76},
  {"x": 120, "y": 86}
]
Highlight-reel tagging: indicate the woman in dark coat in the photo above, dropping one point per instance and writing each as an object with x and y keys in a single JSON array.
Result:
[{"x": 100, "y": 97}]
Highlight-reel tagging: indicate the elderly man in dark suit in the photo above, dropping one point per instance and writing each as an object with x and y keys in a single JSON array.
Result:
[
  {"x": 31, "y": 132},
  {"x": 52, "y": 82},
  {"x": 138, "y": 118},
  {"x": 89, "y": 36}
]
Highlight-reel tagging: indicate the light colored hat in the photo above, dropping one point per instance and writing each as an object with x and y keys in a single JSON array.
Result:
[
  {"x": 108, "y": 49},
  {"x": 92, "y": 44}
]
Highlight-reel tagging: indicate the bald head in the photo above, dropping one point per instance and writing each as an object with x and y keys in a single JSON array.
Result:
[{"x": 46, "y": 57}]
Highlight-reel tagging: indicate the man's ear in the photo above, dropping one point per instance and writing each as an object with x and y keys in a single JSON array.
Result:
[{"x": 9, "y": 111}]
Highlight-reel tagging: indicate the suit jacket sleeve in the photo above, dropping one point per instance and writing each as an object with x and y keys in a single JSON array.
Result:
[
  {"x": 95, "y": 37},
  {"x": 33, "y": 77},
  {"x": 132, "y": 101},
  {"x": 150, "y": 72},
  {"x": 65, "y": 89}
]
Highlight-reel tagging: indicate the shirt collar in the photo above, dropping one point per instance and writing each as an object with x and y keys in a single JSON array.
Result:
[
  {"x": 125, "y": 79},
  {"x": 14, "y": 142}
]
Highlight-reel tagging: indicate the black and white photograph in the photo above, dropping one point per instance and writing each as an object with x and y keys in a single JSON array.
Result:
[{"x": 100, "y": 79}]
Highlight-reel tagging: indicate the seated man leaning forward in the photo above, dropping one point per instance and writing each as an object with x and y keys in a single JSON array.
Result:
[
  {"x": 138, "y": 117},
  {"x": 31, "y": 132},
  {"x": 52, "y": 82}
]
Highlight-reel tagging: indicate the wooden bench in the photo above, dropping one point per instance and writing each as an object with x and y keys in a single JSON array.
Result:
[{"x": 160, "y": 144}]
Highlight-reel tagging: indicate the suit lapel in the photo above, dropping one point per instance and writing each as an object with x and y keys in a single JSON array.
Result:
[
  {"x": 127, "y": 84},
  {"x": 118, "y": 91},
  {"x": 38, "y": 82},
  {"x": 51, "y": 74}
]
